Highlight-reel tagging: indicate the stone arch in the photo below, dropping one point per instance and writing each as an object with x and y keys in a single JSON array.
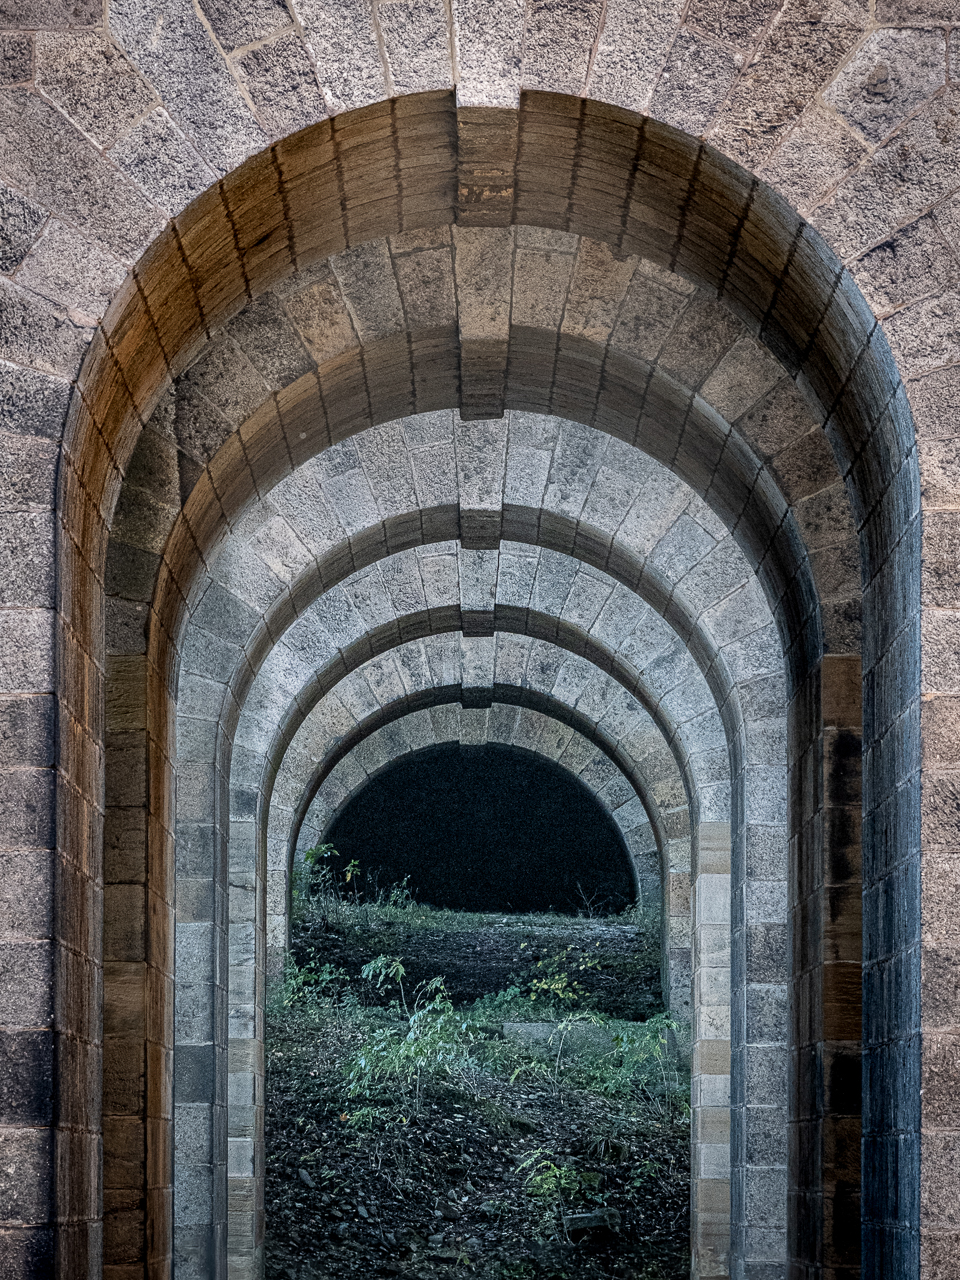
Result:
[
  {"x": 272, "y": 673},
  {"x": 890, "y": 571},
  {"x": 476, "y": 673},
  {"x": 418, "y": 730},
  {"x": 799, "y": 608}
]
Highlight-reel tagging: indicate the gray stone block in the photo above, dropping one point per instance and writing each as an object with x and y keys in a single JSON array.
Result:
[
  {"x": 417, "y": 43},
  {"x": 32, "y": 403},
  {"x": 92, "y": 83},
  {"x": 557, "y": 44},
  {"x": 20, "y": 223},
  {"x": 25, "y": 1156},
  {"x": 745, "y": 374},
  {"x": 342, "y": 37},
  {"x": 168, "y": 42},
  {"x": 370, "y": 290},
  {"x": 879, "y": 196},
  {"x": 35, "y": 332},
  {"x": 26, "y": 988},
  {"x": 26, "y": 651},
  {"x": 26, "y": 1077},
  {"x": 27, "y": 808},
  {"x": 694, "y": 82},
  {"x": 70, "y": 270},
  {"x": 16, "y": 58},
  {"x": 488, "y": 43},
  {"x": 234, "y": 27},
  {"x": 425, "y": 279},
  {"x": 82, "y": 186},
  {"x": 157, "y": 156},
  {"x": 282, "y": 85},
  {"x": 890, "y": 75}
]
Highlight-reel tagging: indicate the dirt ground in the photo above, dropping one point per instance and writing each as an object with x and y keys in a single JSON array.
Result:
[
  {"x": 474, "y": 962},
  {"x": 466, "y": 1183}
]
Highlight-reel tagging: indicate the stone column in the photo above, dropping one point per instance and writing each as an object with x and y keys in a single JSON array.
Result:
[{"x": 710, "y": 1082}]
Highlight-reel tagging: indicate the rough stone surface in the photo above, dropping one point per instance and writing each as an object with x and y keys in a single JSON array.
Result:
[
  {"x": 16, "y": 58},
  {"x": 92, "y": 83},
  {"x": 20, "y": 222},
  {"x": 814, "y": 88},
  {"x": 891, "y": 74}
]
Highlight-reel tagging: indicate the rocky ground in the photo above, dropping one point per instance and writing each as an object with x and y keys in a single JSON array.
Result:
[
  {"x": 505, "y": 1160},
  {"x": 616, "y": 964}
]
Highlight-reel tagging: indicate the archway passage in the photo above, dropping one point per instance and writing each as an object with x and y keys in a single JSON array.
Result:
[
  {"x": 489, "y": 828},
  {"x": 501, "y": 1090},
  {"x": 637, "y": 186}
]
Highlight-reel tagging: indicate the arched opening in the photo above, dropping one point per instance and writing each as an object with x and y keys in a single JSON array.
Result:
[
  {"x": 768, "y": 268},
  {"x": 486, "y": 828},
  {"x": 563, "y": 1057},
  {"x": 304, "y": 221}
]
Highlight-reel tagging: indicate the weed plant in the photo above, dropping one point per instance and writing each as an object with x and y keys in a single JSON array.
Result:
[{"x": 383, "y": 1058}]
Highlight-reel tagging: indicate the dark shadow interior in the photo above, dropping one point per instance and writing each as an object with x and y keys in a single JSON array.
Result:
[{"x": 486, "y": 828}]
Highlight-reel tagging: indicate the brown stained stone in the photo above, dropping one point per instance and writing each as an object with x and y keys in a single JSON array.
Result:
[
  {"x": 126, "y": 704},
  {"x": 267, "y": 457},
  {"x": 230, "y": 477},
  {"x": 124, "y": 927},
  {"x": 305, "y": 154},
  {"x": 254, "y": 201},
  {"x": 123, "y": 1152},
  {"x": 136, "y": 347},
  {"x": 123, "y": 1075},
  {"x": 842, "y": 1000},
  {"x": 487, "y": 141},
  {"x": 301, "y": 414},
  {"x": 208, "y": 241},
  {"x": 711, "y": 1057}
]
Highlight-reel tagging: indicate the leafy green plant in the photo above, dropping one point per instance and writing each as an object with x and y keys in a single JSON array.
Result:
[
  {"x": 554, "y": 1185},
  {"x": 311, "y": 984},
  {"x": 434, "y": 1044},
  {"x": 385, "y": 970},
  {"x": 547, "y": 1180},
  {"x": 553, "y": 982},
  {"x": 647, "y": 1061}
]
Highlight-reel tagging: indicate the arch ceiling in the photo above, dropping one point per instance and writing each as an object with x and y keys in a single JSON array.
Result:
[
  {"x": 101, "y": 157},
  {"x": 506, "y": 670}
]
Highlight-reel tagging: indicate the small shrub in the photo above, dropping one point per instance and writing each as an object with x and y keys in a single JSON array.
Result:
[{"x": 434, "y": 1044}]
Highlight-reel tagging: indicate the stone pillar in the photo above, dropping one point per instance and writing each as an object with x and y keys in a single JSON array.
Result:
[
  {"x": 710, "y": 1075},
  {"x": 826, "y": 974}
]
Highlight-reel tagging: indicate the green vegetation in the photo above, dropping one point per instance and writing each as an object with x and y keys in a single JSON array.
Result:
[{"x": 464, "y": 1138}]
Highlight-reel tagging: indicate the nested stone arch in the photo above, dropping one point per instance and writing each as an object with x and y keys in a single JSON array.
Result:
[
  {"x": 679, "y": 349},
  {"x": 527, "y": 732},
  {"x": 506, "y": 668},
  {"x": 825, "y": 377},
  {"x": 711, "y": 890},
  {"x": 270, "y": 671},
  {"x": 530, "y": 731},
  {"x": 274, "y": 662},
  {"x": 513, "y": 670},
  {"x": 674, "y": 551},
  {"x": 79, "y": 141}
]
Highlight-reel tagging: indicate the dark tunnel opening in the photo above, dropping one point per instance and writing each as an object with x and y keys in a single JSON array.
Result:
[{"x": 486, "y": 828}]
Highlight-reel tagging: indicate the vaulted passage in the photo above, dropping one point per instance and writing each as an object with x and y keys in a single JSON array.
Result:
[
  {"x": 568, "y": 386},
  {"x": 486, "y": 829}
]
